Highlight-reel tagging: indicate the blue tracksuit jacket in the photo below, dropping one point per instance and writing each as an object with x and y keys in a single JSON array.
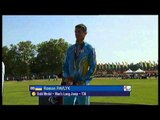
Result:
[{"x": 80, "y": 64}]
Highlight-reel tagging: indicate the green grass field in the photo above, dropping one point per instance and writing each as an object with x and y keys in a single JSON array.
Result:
[{"x": 144, "y": 91}]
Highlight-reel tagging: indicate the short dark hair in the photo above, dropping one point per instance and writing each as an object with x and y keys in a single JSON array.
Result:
[{"x": 84, "y": 28}]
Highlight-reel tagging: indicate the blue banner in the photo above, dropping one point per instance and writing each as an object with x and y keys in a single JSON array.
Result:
[
  {"x": 90, "y": 88},
  {"x": 104, "y": 93}
]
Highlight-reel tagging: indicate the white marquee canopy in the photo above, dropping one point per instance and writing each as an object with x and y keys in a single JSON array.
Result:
[
  {"x": 129, "y": 71},
  {"x": 139, "y": 71}
]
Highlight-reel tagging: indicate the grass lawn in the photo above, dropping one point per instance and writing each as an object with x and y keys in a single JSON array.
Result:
[{"x": 144, "y": 91}]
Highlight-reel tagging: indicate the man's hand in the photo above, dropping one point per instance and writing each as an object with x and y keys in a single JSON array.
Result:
[{"x": 70, "y": 81}]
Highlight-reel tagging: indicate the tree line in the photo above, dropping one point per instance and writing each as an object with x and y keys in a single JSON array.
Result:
[
  {"x": 121, "y": 67},
  {"x": 46, "y": 58},
  {"x": 27, "y": 59}
]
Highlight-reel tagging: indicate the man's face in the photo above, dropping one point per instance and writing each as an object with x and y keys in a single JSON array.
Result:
[{"x": 80, "y": 34}]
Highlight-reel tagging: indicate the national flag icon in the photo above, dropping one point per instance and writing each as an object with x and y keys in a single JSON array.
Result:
[
  {"x": 33, "y": 93},
  {"x": 127, "y": 88},
  {"x": 32, "y": 88},
  {"x": 39, "y": 88}
]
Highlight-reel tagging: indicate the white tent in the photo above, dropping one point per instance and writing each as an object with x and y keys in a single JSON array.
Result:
[
  {"x": 128, "y": 71},
  {"x": 139, "y": 71}
]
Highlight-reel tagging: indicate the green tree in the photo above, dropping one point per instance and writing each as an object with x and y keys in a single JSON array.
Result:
[
  {"x": 51, "y": 56},
  {"x": 5, "y": 50},
  {"x": 12, "y": 61},
  {"x": 26, "y": 51}
]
